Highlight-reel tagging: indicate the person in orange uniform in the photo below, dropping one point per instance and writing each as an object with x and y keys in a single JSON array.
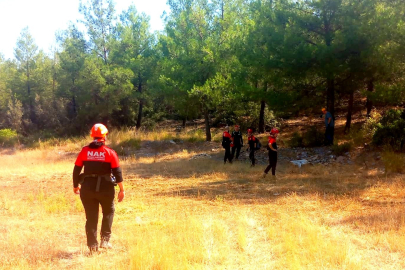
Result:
[
  {"x": 272, "y": 147},
  {"x": 227, "y": 144},
  {"x": 96, "y": 186},
  {"x": 252, "y": 141}
]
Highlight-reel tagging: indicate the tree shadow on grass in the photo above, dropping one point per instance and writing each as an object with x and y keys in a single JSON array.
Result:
[
  {"x": 191, "y": 179},
  {"x": 262, "y": 191},
  {"x": 377, "y": 215}
]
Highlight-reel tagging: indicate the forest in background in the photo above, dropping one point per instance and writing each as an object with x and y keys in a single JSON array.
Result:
[{"x": 226, "y": 61}]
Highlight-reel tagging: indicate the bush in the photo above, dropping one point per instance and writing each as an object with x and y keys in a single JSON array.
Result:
[
  {"x": 8, "y": 137},
  {"x": 313, "y": 137},
  {"x": 390, "y": 130},
  {"x": 393, "y": 162},
  {"x": 296, "y": 140},
  {"x": 370, "y": 126},
  {"x": 197, "y": 135},
  {"x": 133, "y": 143},
  {"x": 340, "y": 149}
]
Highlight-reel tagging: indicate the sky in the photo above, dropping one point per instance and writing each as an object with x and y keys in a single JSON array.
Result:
[{"x": 45, "y": 17}]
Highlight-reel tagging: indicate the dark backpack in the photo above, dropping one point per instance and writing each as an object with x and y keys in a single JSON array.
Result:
[
  {"x": 225, "y": 142},
  {"x": 258, "y": 144}
]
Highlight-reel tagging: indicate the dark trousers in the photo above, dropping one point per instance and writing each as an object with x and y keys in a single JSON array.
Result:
[
  {"x": 236, "y": 149},
  {"x": 91, "y": 201},
  {"x": 329, "y": 134},
  {"x": 228, "y": 155},
  {"x": 272, "y": 164},
  {"x": 252, "y": 156}
]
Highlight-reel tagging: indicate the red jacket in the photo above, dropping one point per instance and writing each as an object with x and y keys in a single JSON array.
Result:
[{"x": 97, "y": 159}]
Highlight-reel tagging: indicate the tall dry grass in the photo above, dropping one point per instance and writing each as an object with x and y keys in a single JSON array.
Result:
[{"x": 200, "y": 214}]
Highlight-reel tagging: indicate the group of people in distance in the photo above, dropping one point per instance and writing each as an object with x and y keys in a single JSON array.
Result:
[{"x": 232, "y": 143}]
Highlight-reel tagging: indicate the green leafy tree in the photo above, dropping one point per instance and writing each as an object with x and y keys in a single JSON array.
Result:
[
  {"x": 196, "y": 47},
  {"x": 134, "y": 50},
  {"x": 99, "y": 19},
  {"x": 25, "y": 52}
]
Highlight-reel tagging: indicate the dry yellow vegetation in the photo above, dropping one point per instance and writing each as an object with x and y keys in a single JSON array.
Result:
[{"x": 199, "y": 214}]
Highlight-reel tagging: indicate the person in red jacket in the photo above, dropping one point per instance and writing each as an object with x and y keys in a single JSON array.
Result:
[
  {"x": 96, "y": 186},
  {"x": 272, "y": 147},
  {"x": 227, "y": 144}
]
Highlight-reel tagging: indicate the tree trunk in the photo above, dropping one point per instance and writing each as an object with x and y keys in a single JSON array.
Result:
[
  {"x": 330, "y": 96},
  {"x": 139, "y": 121},
  {"x": 349, "y": 113},
  {"x": 261, "y": 117},
  {"x": 184, "y": 122},
  {"x": 207, "y": 125},
  {"x": 31, "y": 105},
  {"x": 74, "y": 106},
  {"x": 369, "y": 104}
]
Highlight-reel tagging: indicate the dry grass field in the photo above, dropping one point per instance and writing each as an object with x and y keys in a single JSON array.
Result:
[{"x": 199, "y": 214}]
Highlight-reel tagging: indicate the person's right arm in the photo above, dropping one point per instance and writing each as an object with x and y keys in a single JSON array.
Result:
[
  {"x": 271, "y": 147},
  {"x": 121, "y": 194},
  {"x": 76, "y": 173}
]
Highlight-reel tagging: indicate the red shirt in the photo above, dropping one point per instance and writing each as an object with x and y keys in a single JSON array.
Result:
[
  {"x": 251, "y": 138},
  {"x": 251, "y": 141},
  {"x": 273, "y": 143},
  {"x": 102, "y": 154},
  {"x": 226, "y": 134}
]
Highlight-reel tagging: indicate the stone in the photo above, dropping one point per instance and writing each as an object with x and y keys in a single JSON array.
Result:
[
  {"x": 202, "y": 155},
  {"x": 300, "y": 162},
  {"x": 172, "y": 142},
  {"x": 340, "y": 159}
]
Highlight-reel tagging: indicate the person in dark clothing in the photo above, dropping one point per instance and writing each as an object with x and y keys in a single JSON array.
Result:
[
  {"x": 226, "y": 144},
  {"x": 96, "y": 187},
  {"x": 329, "y": 127},
  {"x": 252, "y": 141},
  {"x": 237, "y": 142},
  {"x": 272, "y": 147}
]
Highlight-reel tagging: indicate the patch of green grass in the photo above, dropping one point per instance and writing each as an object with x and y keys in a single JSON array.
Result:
[
  {"x": 8, "y": 137},
  {"x": 133, "y": 143},
  {"x": 393, "y": 162}
]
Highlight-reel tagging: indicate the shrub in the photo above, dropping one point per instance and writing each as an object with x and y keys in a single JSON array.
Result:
[
  {"x": 133, "y": 143},
  {"x": 393, "y": 162},
  {"x": 340, "y": 149},
  {"x": 390, "y": 130},
  {"x": 296, "y": 140},
  {"x": 313, "y": 137},
  {"x": 8, "y": 137},
  {"x": 370, "y": 125},
  {"x": 197, "y": 135}
]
